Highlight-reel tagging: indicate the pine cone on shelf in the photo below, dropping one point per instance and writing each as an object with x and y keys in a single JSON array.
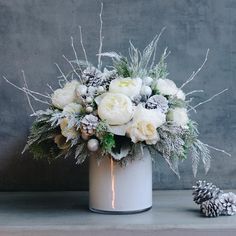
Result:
[
  {"x": 228, "y": 201},
  {"x": 211, "y": 208},
  {"x": 204, "y": 191},
  {"x": 89, "y": 124}
]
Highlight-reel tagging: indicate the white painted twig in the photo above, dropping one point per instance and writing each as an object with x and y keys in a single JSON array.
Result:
[
  {"x": 36, "y": 93},
  {"x": 193, "y": 75},
  {"x": 27, "y": 96},
  {"x": 217, "y": 149},
  {"x": 82, "y": 44},
  {"x": 194, "y": 91},
  {"x": 62, "y": 74},
  {"x": 50, "y": 87},
  {"x": 208, "y": 100},
  {"x": 25, "y": 91},
  {"x": 75, "y": 53},
  {"x": 73, "y": 68},
  {"x": 100, "y": 38}
]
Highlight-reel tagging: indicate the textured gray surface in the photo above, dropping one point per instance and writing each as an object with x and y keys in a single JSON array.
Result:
[
  {"x": 66, "y": 213},
  {"x": 34, "y": 34}
]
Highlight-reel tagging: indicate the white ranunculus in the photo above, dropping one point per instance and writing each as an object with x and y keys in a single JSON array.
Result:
[
  {"x": 115, "y": 109},
  {"x": 168, "y": 87},
  {"x": 62, "y": 97},
  {"x": 69, "y": 133},
  {"x": 72, "y": 108},
  {"x": 145, "y": 124},
  {"x": 178, "y": 116},
  {"x": 128, "y": 86}
]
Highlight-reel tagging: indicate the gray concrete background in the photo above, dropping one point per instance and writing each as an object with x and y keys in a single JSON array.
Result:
[{"x": 34, "y": 34}]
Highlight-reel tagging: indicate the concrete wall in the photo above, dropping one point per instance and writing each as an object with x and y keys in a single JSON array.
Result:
[{"x": 34, "y": 34}]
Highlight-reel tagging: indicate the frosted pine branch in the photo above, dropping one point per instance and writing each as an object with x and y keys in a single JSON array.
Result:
[{"x": 219, "y": 150}]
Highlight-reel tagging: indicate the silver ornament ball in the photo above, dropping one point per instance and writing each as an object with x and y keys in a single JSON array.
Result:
[
  {"x": 81, "y": 90},
  {"x": 146, "y": 91},
  {"x": 93, "y": 145},
  {"x": 89, "y": 99},
  {"x": 100, "y": 89}
]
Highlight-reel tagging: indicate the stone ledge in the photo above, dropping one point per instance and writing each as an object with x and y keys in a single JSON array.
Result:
[{"x": 66, "y": 213}]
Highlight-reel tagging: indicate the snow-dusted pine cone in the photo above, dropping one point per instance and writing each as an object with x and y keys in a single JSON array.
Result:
[
  {"x": 157, "y": 101},
  {"x": 204, "y": 191},
  {"x": 228, "y": 201},
  {"x": 211, "y": 208},
  {"x": 89, "y": 124},
  {"x": 92, "y": 77}
]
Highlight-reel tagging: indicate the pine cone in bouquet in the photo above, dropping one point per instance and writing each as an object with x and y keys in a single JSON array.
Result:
[
  {"x": 204, "y": 191},
  {"x": 228, "y": 201},
  {"x": 92, "y": 77},
  {"x": 157, "y": 102},
  {"x": 95, "y": 78},
  {"x": 88, "y": 125},
  {"x": 211, "y": 208}
]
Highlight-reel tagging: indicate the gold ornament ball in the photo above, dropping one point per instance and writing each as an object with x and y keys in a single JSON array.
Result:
[
  {"x": 89, "y": 109},
  {"x": 93, "y": 145}
]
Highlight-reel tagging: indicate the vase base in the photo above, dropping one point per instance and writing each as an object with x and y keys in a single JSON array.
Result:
[{"x": 119, "y": 212}]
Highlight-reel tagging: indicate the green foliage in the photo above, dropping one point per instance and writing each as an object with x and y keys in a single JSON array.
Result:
[
  {"x": 122, "y": 67},
  {"x": 41, "y": 139},
  {"x": 107, "y": 139},
  {"x": 108, "y": 142}
]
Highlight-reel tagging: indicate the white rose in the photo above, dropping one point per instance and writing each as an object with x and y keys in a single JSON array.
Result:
[
  {"x": 69, "y": 133},
  {"x": 168, "y": 87},
  {"x": 128, "y": 86},
  {"x": 66, "y": 95},
  {"x": 72, "y": 108},
  {"x": 145, "y": 124},
  {"x": 179, "y": 116},
  {"x": 115, "y": 109}
]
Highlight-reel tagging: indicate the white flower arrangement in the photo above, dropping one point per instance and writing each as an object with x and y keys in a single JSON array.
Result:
[{"x": 114, "y": 112}]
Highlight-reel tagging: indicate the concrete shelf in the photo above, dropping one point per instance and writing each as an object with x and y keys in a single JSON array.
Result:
[{"x": 66, "y": 213}]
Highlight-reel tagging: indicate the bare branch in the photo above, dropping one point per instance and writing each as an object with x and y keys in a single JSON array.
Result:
[
  {"x": 100, "y": 38},
  {"x": 195, "y": 73},
  {"x": 208, "y": 100},
  {"x": 50, "y": 87},
  {"x": 82, "y": 44}
]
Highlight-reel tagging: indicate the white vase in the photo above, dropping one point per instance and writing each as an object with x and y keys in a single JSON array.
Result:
[{"x": 120, "y": 189}]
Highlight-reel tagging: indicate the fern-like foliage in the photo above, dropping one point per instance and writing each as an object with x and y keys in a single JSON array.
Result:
[{"x": 41, "y": 139}]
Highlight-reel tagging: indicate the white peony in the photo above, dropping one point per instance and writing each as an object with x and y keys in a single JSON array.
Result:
[
  {"x": 168, "y": 87},
  {"x": 115, "y": 109},
  {"x": 145, "y": 124},
  {"x": 66, "y": 95},
  {"x": 178, "y": 116},
  {"x": 128, "y": 86},
  {"x": 72, "y": 108},
  {"x": 69, "y": 133}
]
